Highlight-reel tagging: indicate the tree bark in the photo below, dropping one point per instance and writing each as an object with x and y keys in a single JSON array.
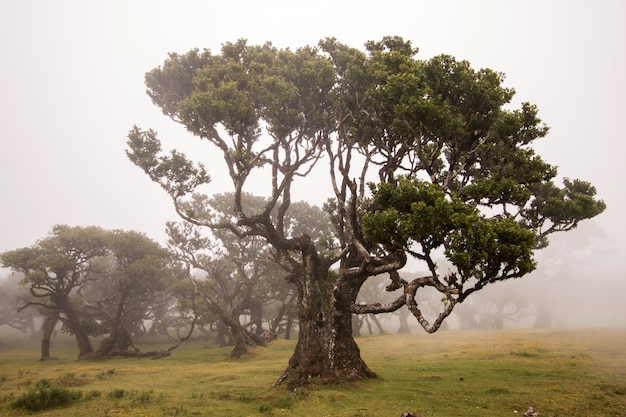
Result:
[
  {"x": 120, "y": 338},
  {"x": 50, "y": 320},
  {"x": 286, "y": 312},
  {"x": 221, "y": 339},
  {"x": 356, "y": 325},
  {"x": 85, "y": 349},
  {"x": 241, "y": 336},
  {"x": 326, "y": 351}
]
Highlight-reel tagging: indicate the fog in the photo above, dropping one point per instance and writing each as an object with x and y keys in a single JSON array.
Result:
[{"x": 71, "y": 87}]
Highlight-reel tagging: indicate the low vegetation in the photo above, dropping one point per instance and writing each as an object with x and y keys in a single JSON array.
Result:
[{"x": 457, "y": 373}]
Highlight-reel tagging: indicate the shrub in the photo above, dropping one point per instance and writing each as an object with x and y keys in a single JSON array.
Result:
[
  {"x": 44, "y": 395},
  {"x": 117, "y": 393},
  {"x": 141, "y": 397}
]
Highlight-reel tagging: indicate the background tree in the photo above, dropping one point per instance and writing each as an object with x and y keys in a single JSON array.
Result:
[
  {"x": 424, "y": 157},
  {"x": 174, "y": 307},
  {"x": 55, "y": 268},
  {"x": 94, "y": 281},
  {"x": 39, "y": 322},
  {"x": 234, "y": 276},
  {"x": 225, "y": 281},
  {"x": 132, "y": 278},
  {"x": 9, "y": 306},
  {"x": 493, "y": 309},
  {"x": 369, "y": 291}
]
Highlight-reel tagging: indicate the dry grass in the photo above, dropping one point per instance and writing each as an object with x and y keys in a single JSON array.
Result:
[{"x": 477, "y": 373}]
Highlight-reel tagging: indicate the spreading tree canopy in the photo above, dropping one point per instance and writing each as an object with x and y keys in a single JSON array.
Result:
[{"x": 425, "y": 158}]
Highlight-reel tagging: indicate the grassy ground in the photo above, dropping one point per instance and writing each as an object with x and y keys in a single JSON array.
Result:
[{"x": 474, "y": 373}]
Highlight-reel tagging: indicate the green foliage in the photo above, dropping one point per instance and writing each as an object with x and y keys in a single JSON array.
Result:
[
  {"x": 142, "y": 397},
  {"x": 413, "y": 211},
  {"x": 491, "y": 249},
  {"x": 44, "y": 395},
  {"x": 175, "y": 173},
  {"x": 562, "y": 209},
  {"x": 93, "y": 394},
  {"x": 106, "y": 374}
]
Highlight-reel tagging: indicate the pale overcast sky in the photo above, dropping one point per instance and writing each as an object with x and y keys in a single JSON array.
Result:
[{"x": 71, "y": 87}]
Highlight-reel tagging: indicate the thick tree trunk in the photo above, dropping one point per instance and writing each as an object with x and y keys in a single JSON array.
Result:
[
  {"x": 326, "y": 351},
  {"x": 221, "y": 339},
  {"x": 241, "y": 336},
  {"x": 85, "y": 349},
  {"x": 50, "y": 320},
  {"x": 356, "y": 325},
  {"x": 119, "y": 340}
]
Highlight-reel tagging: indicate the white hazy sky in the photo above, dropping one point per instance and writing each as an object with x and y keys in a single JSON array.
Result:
[{"x": 71, "y": 87}]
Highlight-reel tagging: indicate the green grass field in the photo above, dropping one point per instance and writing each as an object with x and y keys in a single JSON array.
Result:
[{"x": 452, "y": 373}]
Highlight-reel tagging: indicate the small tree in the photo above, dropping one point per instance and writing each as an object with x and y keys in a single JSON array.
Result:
[{"x": 424, "y": 158}]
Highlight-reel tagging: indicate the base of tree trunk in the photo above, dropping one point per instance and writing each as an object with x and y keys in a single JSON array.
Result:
[
  {"x": 294, "y": 378},
  {"x": 238, "y": 351},
  {"x": 310, "y": 368}
]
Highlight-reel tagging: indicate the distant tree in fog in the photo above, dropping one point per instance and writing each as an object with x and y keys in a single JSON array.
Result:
[
  {"x": 133, "y": 277},
  {"x": 234, "y": 276},
  {"x": 491, "y": 310},
  {"x": 93, "y": 280},
  {"x": 55, "y": 267},
  {"x": 10, "y": 301}
]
